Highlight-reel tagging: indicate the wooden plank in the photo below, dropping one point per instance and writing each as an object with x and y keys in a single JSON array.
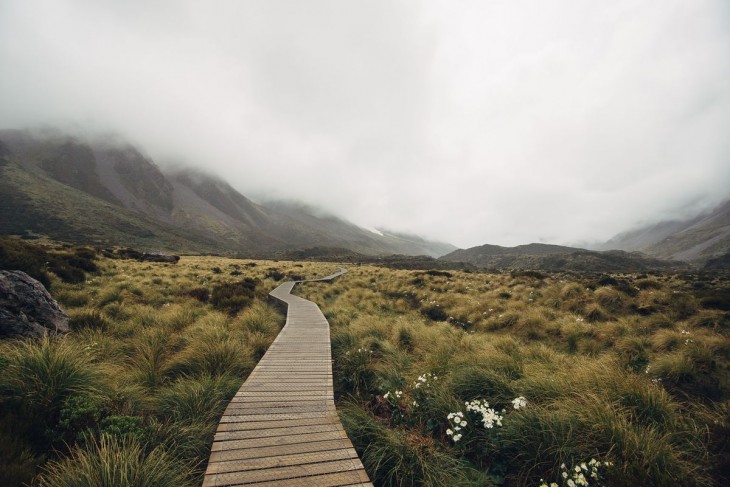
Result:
[
  {"x": 276, "y": 440},
  {"x": 287, "y": 472},
  {"x": 269, "y": 451},
  {"x": 341, "y": 479},
  {"x": 282, "y": 461},
  {"x": 285, "y": 423},
  {"x": 273, "y": 432}
]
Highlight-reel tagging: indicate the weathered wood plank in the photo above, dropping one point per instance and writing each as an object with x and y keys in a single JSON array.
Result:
[
  {"x": 288, "y": 472},
  {"x": 270, "y": 451},
  {"x": 282, "y": 461}
]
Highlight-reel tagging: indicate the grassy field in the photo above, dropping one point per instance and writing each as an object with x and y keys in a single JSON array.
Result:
[
  {"x": 442, "y": 378},
  {"x": 615, "y": 380},
  {"x": 133, "y": 395}
]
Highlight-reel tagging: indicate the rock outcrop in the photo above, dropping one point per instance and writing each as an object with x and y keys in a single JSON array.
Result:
[{"x": 27, "y": 309}]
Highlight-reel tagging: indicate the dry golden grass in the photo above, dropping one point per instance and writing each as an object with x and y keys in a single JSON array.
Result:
[
  {"x": 627, "y": 369},
  {"x": 149, "y": 367},
  {"x": 630, "y": 370}
]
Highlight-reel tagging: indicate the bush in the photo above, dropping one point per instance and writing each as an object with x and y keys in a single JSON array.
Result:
[
  {"x": 718, "y": 299},
  {"x": 22, "y": 256},
  {"x": 199, "y": 293},
  {"x": 275, "y": 275},
  {"x": 66, "y": 272},
  {"x": 82, "y": 263},
  {"x": 437, "y": 273},
  {"x": 122, "y": 426},
  {"x": 18, "y": 461},
  {"x": 78, "y": 419},
  {"x": 435, "y": 313},
  {"x": 233, "y": 297},
  {"x": 529, "y": 273}
]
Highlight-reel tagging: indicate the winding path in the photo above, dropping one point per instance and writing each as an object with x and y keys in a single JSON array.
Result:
[{"x": 281, "y": 428}]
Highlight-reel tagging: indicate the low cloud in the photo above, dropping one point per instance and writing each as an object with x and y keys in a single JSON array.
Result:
[{"x": 472, "y": 122}]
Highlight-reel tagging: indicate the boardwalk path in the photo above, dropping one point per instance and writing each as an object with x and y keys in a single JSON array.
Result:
[{"x": 281, "y": 428}]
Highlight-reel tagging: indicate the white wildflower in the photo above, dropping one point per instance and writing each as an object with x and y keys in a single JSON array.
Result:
[{"x": 519, "y": 402}]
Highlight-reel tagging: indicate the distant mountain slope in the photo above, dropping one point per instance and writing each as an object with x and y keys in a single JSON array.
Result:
[
  {"x": 356, "y": 238},
  {"x": 694, "y": 240},
  {"x": 106, "y": 192},
  {"x": 36, "y": 203},
  {"x": 557, "y": 258}
]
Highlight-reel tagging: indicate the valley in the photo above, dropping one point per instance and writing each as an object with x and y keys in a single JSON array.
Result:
[{"x": 625, "y": 370}]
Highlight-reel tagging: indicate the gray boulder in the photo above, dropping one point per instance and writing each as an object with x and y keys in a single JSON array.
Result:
[{"x": 26, "y": 308}]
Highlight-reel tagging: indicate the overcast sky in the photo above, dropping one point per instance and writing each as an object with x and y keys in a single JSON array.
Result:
[{"x": 474, "y": 122}]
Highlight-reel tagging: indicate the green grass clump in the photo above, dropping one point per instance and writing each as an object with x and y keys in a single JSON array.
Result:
[
  {"x": 88, "y": 319},
  {"x": 201, "y": 399},
  {"x": 40, "y": 376},
  {"x": 111, "y": 462}
]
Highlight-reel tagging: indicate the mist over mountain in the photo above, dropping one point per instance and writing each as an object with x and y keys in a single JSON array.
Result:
[
  {"x": 696, "y": 239},
  {"x": 108, "y": 192},
  {"x": 467, "y": 122}
]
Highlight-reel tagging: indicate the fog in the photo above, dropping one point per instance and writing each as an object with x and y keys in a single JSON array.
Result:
[{"x": 472, "y": 122}]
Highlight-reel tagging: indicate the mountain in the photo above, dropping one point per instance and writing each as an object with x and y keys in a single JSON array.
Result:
[
  {"x": 558, "y": 258},
  {"x": 693, "y": 240},
  {"x": 107, "y": 192},
  {"x": 356, "y": 238}
]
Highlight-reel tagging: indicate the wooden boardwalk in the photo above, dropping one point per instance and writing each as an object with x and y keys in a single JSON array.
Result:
[{"x": 281, "y": 428}]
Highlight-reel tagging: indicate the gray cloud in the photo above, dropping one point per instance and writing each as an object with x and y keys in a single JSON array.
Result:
[{"x": 473, "y": 122}]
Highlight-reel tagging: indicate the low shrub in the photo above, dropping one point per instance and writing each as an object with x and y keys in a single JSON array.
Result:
[
  {"x": 22, "y": 256},
  {"x": 233, "y": 297},
  {"x": 434, "y": 312},
  {"x": 122, "y": 426},
  {"x": 199, "y": 293}
]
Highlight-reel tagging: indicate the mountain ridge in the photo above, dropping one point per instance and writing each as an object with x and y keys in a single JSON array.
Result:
[
  {"x": 697, "y": 239},
  {"x": 549, "y": 257},
  {"x": 199, "y": 211}
]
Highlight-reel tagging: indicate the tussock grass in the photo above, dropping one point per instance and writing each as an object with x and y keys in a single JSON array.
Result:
[
  {"x": 214, "y": 352},
  {"x": 397, "y": 457},
  {"x": 201, "y": 399},
  {"x": 624, "y": 369},
  {"x": 133, "y": 394},
  {"x": 627, "y": 369},
  {"x": 111, "y": 462},
  {"x": 39, "y": 376}
]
